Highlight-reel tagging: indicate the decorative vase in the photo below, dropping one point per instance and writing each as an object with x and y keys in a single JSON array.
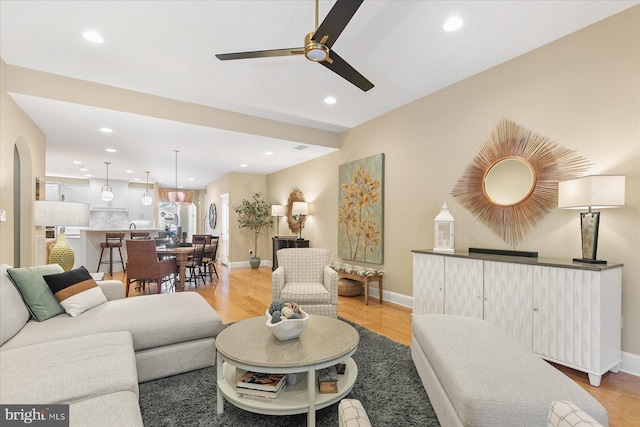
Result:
[
  {"x": 62, "y": 254},
  {"x": 254, "y": 262}
]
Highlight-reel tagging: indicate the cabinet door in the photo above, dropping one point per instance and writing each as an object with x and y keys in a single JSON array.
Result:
[
  {"x": 428, "y": 284},
  {"x": 463, "y": 287},
  {"x": 67, "y": 193},
  {"x": 567, "y": 315},
  {"x": 508, "y": 299},
  {"x": 120, "y": 195}
]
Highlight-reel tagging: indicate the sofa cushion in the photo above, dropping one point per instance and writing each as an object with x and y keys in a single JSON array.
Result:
[
  {"x": 109, "y": 410},
  {"x": 68, "y": 370},
  {"x": 153, "y": 320},
  {"x": 76, "y": 290},
  {"x": 492, "y": 380},
  {"x": 13, "y": 312},
  {"x": 34, "y": 290}
]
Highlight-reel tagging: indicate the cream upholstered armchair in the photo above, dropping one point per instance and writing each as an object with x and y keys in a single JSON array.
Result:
[{"x": 304, "y": 276}]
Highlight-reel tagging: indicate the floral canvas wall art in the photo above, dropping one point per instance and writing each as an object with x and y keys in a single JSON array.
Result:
[{"x": 361, "y": 210}]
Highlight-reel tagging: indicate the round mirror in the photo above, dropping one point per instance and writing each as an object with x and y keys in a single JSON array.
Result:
[{"x": 509, "y": 181}]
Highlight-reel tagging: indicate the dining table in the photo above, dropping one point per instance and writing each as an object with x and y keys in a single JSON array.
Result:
[{"x": 182, "y": 254}]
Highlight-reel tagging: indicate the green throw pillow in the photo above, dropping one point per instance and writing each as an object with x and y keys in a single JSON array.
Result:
[{"x": 34, "y": 290}]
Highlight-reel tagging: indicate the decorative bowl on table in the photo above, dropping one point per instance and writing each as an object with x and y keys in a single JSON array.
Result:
[{"x": 287, "y": 329}]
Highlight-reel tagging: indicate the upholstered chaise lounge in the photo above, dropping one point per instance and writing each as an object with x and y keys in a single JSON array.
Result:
[{"x": 475, "y": 375}]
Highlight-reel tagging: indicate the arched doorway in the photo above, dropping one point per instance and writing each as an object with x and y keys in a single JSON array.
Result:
[{"x": 23, "y": 196}]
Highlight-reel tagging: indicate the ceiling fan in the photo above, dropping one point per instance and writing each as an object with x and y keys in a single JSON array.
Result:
[{"x": 317, "y": 44}]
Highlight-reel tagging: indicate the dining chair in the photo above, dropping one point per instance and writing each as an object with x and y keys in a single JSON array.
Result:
[
  {"x": 209, "y": 257},
  {"x": 143, "y": 265},
  {"x": 195, "y": 261}
]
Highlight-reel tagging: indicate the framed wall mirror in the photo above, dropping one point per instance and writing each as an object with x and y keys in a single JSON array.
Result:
[
  {"x": 511, "y": 185},
  {"x": 509, "y": 181},
  {"x": 295, "y": 221}
]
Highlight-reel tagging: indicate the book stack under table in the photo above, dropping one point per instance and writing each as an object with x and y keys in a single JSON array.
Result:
[{"x": 256, "y": 384}]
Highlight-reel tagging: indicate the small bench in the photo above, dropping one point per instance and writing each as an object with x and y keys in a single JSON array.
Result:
[
  {"x": 361, "y": 274},
  {"x": 475, "y": 375}
]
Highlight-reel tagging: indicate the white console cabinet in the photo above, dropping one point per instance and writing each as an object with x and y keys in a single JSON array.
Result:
[{"x": 567, "y": 313}]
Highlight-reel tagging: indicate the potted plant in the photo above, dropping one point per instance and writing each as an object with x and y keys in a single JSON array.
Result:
[{"x": 254, "y": 215}]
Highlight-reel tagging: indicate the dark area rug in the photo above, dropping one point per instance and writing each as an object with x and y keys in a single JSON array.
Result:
[{"x": 387, "y": 385}]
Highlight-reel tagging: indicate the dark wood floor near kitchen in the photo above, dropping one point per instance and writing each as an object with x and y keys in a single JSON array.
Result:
[{"x": 242, "y": 293}]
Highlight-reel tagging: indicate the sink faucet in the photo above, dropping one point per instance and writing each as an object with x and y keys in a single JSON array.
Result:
[{"x": 132, "y": 226}]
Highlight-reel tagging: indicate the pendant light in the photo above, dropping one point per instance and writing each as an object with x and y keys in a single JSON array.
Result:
[
  {"x": 106, "y": 193},
  {"x": 146, "y": 197},
  {"x": 176, "y": 196}
]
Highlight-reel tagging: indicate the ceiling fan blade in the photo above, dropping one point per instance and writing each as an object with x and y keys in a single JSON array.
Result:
[
  {"x": 260, "y": 53},
  {"x": 346, "y": 71},
  {"x": 336, "y": 20}
]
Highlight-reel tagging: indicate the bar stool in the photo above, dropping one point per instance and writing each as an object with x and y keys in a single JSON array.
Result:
[{"x": 113, "y": 240}]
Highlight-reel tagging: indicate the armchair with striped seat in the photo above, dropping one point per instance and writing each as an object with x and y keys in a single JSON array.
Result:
[{"x": 305, "y": 277}]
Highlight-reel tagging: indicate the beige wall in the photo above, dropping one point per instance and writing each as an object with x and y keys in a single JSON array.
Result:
[
  {"x": 583, "y": 91},
  {"x": 16, "y": 129},
  {"x": 240, "y": 186}
]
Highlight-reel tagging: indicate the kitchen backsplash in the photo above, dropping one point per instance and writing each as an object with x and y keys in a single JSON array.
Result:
[{"x": 115, "y": 220}]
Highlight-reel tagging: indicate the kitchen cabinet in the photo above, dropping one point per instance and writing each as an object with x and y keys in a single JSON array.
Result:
[
  {"x": 565, "y": 312},
  {"x": 120, "y": 195},
  {"x": 137, "y": 210}
]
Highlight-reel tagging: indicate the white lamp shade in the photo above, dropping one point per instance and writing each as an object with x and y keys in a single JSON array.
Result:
[
  {"x": 60, "y": 213},
  {"x": 146, "y": 199},
  {"x": 594, "y": 191},
  {"x": 300, "y": 208},
  {"x": 106, "y": 194},
  {"x": 278, "y": 210}
]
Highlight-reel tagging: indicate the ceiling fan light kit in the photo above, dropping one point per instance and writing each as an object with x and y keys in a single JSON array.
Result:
[{"x": 317, "y": 46}]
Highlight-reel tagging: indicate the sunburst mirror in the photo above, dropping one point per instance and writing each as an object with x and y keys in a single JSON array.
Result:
[
  {"x": 295, "y": 221},
  {"x": 511, "y": 185}
]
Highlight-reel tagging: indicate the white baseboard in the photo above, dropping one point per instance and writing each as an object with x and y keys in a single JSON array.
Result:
[
  {"x": 630, "y": 363},
  {"x": 393, "y": 297},
  {"x": 238, "y": 264}
]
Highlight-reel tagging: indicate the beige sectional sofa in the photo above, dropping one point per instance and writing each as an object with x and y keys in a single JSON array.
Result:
[{"x": 94, "y": 361}]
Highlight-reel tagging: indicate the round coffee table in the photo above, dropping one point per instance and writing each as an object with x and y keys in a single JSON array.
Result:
[{"x": 249, "y": 345}]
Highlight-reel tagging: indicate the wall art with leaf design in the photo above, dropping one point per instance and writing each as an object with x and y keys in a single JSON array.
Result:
[{"x": 361, "y": 210}]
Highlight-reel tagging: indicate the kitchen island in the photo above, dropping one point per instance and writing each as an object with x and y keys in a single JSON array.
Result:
[{"x": 89, "y": 253}]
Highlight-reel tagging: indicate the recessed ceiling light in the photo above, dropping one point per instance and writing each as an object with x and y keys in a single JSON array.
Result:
[
  {"x": 136, "y": 179},
  {"x": 106, "y": 130},
  {"x": 83, "y": 169},
  {"x": 88, "y": 175},
  {"x": 111, "y": 150},
  {"x": 77, "y": 162},
  {"x": 129, "y": 171},
  {"x": 269, "y": 153},
  {"x": 330, "y": 100},
  {"x": 452, "y": 24},
  {"x": 180, "y": 186},
  {"x": 243, "y": 165},
  {"x": 93, "y": 36},
  {"x": 192, "y": 179}
]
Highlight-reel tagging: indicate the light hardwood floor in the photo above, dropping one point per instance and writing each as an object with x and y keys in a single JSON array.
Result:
[{"x": 242, "y": 293}]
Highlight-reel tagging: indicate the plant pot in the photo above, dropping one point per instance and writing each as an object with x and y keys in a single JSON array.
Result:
[{"x": 254, "y": 262}]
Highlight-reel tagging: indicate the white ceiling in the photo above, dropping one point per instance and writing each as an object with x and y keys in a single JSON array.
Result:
[{"x": 167, "y": 48}]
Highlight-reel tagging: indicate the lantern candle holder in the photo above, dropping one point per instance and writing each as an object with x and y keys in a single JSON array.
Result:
[{"x": 443, "y": 238}]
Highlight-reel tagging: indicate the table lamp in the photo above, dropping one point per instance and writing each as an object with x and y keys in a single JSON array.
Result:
[
  {"x": 278, "y": 211},
  {"x": 591, "y": 192},
  {"x": 300, "y": 209},
  {"x": 61, "y": 214}
]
